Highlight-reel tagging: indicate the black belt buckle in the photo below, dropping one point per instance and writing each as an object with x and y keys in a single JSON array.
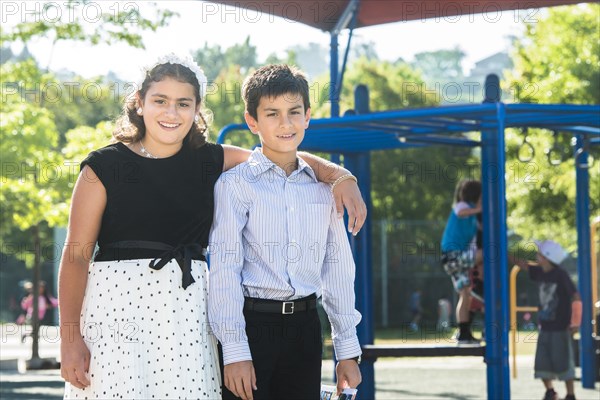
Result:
[{"x": 287, "y": 307}]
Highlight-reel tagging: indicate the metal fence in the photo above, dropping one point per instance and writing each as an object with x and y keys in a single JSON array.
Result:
[{"x": 406, "y": 257}]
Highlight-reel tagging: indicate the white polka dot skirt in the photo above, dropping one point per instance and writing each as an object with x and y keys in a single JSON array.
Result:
[{"x": 148, "y": 337}]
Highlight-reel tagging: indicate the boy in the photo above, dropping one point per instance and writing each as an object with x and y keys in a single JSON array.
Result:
[
  {"x": 558, "y": 317},
  {"x": 277, "y": 245}
]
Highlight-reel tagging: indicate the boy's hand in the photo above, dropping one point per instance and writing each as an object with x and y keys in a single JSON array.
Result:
[
  {"x": 348, "y": 375},
  {"x": 347, "y": 194},
  {"x": 573, "y": 329},
  {"x": 240, "y": 379},
  {"x": 523, "y": 264}
]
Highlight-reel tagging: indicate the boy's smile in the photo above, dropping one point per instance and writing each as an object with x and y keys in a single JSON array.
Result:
[{"x": 281, "y": 122}]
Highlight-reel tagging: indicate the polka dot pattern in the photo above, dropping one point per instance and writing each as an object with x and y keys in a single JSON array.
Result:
[{"x": 148, "y": 337}]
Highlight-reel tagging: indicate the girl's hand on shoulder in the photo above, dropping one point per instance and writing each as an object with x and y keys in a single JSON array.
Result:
[
  {"x": 75, "y": 358},
  {"x": 347, "y": 194}
]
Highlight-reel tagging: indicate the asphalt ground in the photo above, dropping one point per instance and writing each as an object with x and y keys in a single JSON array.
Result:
[{"x": 461, "y": 378}]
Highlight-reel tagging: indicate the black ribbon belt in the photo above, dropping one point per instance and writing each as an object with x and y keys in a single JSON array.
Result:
[
  {"x": 280, "y": 307},
  {"x": 183, "y": 254}
]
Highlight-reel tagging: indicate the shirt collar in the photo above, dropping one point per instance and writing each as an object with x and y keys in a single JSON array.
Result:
[{"x": 259, "y": 163}]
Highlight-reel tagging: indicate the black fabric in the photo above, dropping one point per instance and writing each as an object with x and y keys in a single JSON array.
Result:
[
  {"x": 556, "y": 290},
  {"x": 182, "y": 254},
  {"x": 479, "y": 235},
  {"x": 464, "y": 329},
  {"x": 168, "y": 200},
  {"x": 286, "y": 354},
  {"x": 278, "y": 307},
  {"x": 554, "y": 355}
]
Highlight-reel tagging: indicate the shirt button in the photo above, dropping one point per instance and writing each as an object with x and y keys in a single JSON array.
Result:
[{"x": 292, "y": 209}]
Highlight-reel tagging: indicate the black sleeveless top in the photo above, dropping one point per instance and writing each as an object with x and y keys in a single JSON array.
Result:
[{"x": 168, "y": 200}]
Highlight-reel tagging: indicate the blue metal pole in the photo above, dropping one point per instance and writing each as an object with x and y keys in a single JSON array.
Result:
[
  {"x": 584, "y": 262},
  {"x": 361, "y": 244},
  {"x": 359, "y": 164},
  {"x": 495, "y": 250},
  {"x": 333, "y": 75}
]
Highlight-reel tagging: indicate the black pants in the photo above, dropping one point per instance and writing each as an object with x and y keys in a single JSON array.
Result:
[{"x": 286, "y": 353}]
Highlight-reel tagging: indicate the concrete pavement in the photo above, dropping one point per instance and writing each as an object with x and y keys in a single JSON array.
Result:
[{"x": 460, "y": 378}]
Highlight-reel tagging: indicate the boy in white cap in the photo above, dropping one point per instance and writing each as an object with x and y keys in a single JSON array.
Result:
[{"x": 559, "y": 316}]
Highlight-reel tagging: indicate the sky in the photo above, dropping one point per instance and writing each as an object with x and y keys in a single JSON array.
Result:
[{"x": 200, "y": 22}]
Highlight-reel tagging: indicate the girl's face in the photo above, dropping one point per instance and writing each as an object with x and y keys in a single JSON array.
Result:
[{"x": 169, "y": 108}]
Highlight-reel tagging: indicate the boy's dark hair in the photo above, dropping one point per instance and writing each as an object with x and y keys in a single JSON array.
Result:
[
  {"x": 272, "y": 81},
  {"x": 130, "y": 126},
  {"x": 470, "y": 191}
]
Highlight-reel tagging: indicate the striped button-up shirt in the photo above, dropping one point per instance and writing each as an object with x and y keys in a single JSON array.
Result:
[{"x": 278, "y": 237}]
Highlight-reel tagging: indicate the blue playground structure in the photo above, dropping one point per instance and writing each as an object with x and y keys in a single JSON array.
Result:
[{"x": 355, "y": 136}]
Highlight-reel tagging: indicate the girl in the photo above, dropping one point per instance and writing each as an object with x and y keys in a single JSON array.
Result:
[{"x": 133, "y": 321}]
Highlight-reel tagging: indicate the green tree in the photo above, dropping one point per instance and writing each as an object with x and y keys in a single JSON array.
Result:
[
  {"x": 410, "y": 183},
  {"x": 214, "y": 60},
  {"x": 30, "y": 168},
  {"x": 311, "y": 57},
  {"x": 441, "y": 65},
  {"x": 73, "y": 103},
  {"x": 291, "y": 58},
  {"x": 118, "y": 23},
  {"x": 33, "y": 169},
  {"x": 557, "y": 61},
  {"x": 224, "y": 99}
]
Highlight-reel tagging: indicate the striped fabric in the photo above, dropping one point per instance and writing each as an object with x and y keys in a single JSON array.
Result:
[{"x": 278, "y": 237}]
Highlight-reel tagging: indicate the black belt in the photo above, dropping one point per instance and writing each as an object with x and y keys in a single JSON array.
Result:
[
  {"x": 183, "y": 254},
  {"x": 280, "y": 307}
]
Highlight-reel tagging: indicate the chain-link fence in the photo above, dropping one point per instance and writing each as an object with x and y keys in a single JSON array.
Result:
[{"x": 406, "y": 258}]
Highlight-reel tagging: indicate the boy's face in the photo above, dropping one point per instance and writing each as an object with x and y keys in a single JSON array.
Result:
[
  {"x": 281, "y": 122},
  {"x": 543, "y": 261}
]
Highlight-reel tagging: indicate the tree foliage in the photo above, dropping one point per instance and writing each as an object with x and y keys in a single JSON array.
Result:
[
  {"x": 440, "y": 65},
  {"x": 114, "y": 23},
  {"x": 224, "y": 99},
  {"x": 410, "y": 183},
  {"x": 38, "y": 111},
  {"x": 29, "y": 167},
  {"x": 214, "y": 60},
  {"x": 557, "y": 61}
]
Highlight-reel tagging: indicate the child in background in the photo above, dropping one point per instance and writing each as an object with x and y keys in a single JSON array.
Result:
[
  {"x": 415, "y": 310},
  {"x": 559, "y": 317},
  {"x": 459, "y": 251}
]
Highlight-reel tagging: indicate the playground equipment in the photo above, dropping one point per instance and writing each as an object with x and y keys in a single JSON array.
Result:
[
  {"x": 514, "y": 309},
  {"x": 594, "y": 261}
]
